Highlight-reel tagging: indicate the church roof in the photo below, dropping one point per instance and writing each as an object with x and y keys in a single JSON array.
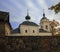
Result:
[
  {"x": 17, "y": 30},
  {"x": 4, "y": 16},
  {"x": 27, "y": 17},
  {"x": 44, "y": 18},
  {"x": 29, "y": 23},
  {"x": 41, "y": 30}
]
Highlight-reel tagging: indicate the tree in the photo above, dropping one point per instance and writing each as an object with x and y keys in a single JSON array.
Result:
[
  {"x": 53, "y": 25},
  {"x": 56, "y": 8}
]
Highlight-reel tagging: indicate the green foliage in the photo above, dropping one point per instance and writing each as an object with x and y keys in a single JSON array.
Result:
[{"x": 56, "y": 8}]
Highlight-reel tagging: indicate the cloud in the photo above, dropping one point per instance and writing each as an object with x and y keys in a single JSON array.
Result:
[
  {"x": 42, "y": 4},
  {"x": 50, "y": 14},
  {"x": 18, "y": 10},
  {"x": 17, "y": 4},
  {"x": 55, "y": 1},
  {"x": 31, "y": 5},
  {"x": 15, "y": 15}
]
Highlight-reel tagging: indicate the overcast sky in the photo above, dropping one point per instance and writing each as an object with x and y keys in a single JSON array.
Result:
[{"x": 18, "y": 10}]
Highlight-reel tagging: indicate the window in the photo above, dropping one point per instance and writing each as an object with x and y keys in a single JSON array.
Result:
[
  {"x": 25, "y": 31},
  {"x": 41, "y": 27},
  {"x": 33, "y": 31},
  {"x": 46, "y": 27}
]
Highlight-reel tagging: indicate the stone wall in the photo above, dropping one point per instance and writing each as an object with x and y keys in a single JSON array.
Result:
[
  {"x": 2, "y": 29},
  {"x": 7, "y": 30},
  {"x": 30, "y": 44}
]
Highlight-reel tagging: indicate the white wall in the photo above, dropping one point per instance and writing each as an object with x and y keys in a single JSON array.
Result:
[
  {"x": 40, "y": 34},
  {"x": 29, "y": 30},
  {"x": 45, "y": 22}
]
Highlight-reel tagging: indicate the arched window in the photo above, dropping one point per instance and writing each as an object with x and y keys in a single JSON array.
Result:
[
  {"x": 41, "y": 27},
  {"x": 46, "y": 27},
  {"x": 33, "y": 31},
  {"x": 25, "y": 31}
]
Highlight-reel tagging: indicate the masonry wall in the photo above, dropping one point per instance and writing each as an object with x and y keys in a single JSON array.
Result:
[
  {"x": 2, "y": 29},
  {"x": 7, "y": 30},
  {"x": 30, "y": 44}
]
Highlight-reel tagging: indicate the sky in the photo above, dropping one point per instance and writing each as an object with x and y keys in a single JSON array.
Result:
[{"x": 18, "y": 10}]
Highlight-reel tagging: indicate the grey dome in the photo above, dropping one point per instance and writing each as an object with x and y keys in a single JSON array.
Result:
[
  {"x": 27, "y": 17},
  {"x": 44, "y": 18},
  {"x": 29, "y": 23}
]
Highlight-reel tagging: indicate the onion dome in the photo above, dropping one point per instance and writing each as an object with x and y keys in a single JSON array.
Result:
[
  {"x": 44, "y": 18},
  {"x": 27, "y": 17}
]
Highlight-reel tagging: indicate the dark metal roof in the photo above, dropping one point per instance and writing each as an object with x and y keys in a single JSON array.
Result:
[
  {"x": 44, "y": 18},
  {"x": 17, "y": 30},
  {"x": 4, "y": 16},
  {"x": 27, "y": 17},
  {"x": 41, "y": 30},
  {"x": 29, "y": 23}
]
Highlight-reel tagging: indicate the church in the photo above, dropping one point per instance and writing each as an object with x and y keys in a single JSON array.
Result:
[{"x": 27, "y": 28}]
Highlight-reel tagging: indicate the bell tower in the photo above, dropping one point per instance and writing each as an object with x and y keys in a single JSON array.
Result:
[{"x": 44, "y": 23}]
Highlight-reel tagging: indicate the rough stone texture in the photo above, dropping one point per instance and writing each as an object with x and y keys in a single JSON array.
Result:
[
  {"x": 30, "y": 44},
  {"x": 2, "y": 29},
  {"x": 5, "y": 29}
]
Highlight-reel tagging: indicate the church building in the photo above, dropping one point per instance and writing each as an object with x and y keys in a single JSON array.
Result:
[{"x": 29, "y": 28}]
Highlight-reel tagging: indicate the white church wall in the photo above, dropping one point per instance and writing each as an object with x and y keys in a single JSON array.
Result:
[
  {"x": 45, "y": 34},
  {"x": 44, "y": 26},
  {"x": 30, "y": 32},
  {"x": 29, "y": 29},
  {"x": 38, "y": 34}
]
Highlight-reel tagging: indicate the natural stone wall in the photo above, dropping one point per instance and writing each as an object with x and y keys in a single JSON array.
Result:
[
  {"x": 7, "y": 30},
  {"x": 2, "y": 29},
  {"x": 30, "y": 44}
]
